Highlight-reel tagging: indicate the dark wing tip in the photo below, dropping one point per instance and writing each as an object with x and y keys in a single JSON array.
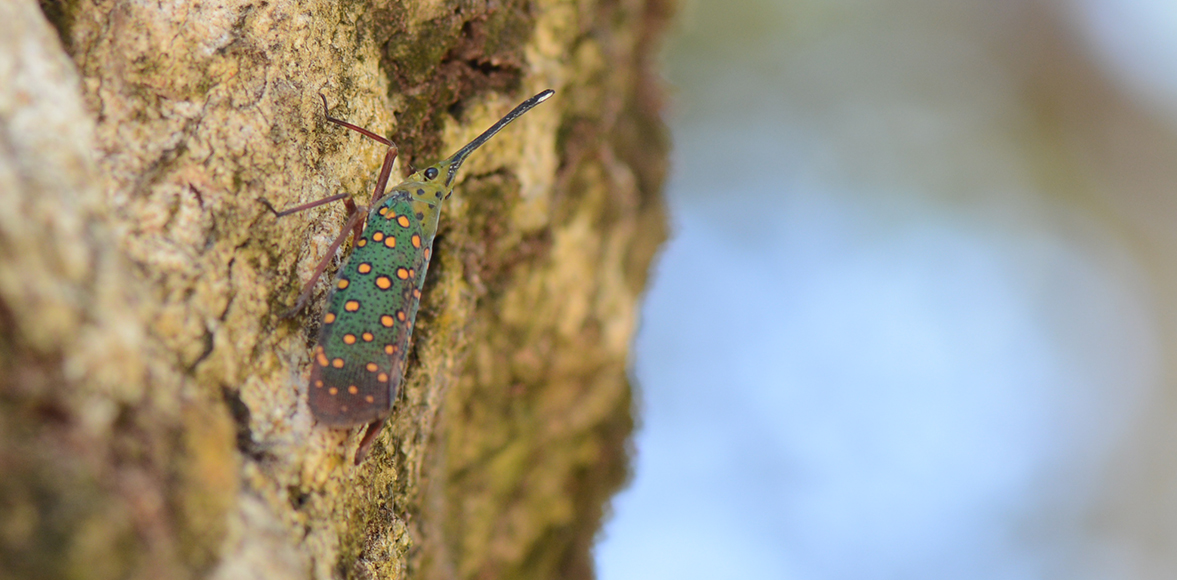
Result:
[{"x": 333, "y": 405}]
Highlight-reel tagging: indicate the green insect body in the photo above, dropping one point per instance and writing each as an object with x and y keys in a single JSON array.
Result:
[
  {"x": 369, "y": 317},
  {"x": 363, "y": 342}
]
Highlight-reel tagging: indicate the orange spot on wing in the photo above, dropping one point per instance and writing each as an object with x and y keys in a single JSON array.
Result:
[
  {"x": 390, "y": 348},
  {"x": 369, "y": 399},
  {"x": 383, "y": 282},
  {"x": 363, "y": 242},
  {"x": 365, "y": 268},
  {"x": 400, "y": 315},
  {"x": 352, "y": 389},
  {"x": 376, "y": 237},
  {"x": 349, "y": 338},
  {"x": 367, "y": 336},
  {"x": 382, "y": 377},
  {"x": 390, "y": 242},
  {"x": 416, "y": 241},
  {"x": 402, "y": 273},
  {"x": 372, "y": 367},
  {"x": 322, "y": 358},
  {"x": 403, "y": 220},
  {"x": 351, "y": 305},
  {"x": 337, "y": 363},
  {"x": 387, "y": 320},
  {"x": 342, "y": 283},
  {"x": 329, "y": 318},
  {"x": 333, "y": 391}
]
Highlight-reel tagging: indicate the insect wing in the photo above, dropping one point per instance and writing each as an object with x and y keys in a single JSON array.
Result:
[{"x": 359, "y": 360}]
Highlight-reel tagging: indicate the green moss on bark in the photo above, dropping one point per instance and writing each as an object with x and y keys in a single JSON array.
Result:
[{"x": 152, "y": 405}]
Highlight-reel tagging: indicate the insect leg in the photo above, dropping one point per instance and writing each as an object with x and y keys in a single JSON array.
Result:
[
  {"x": 389, "y": 156},
  {"x": 310, "y": 205},
  {"x": 370, "y": 434},
  {"x": 354, "y": 223},
  {"x": 381, "y": 183},
  {"x": 385, "y": 171},
  {"x": 355, "y": 128}
]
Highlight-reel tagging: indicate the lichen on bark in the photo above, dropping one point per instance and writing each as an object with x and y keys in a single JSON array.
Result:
[{"x": 152, "y": 405}]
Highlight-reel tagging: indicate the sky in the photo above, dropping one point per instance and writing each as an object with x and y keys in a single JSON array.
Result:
[{"x": 878, "y": 343}]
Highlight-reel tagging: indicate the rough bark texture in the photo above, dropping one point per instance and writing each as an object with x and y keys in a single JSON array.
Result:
[{"x": 153, "y": 421}]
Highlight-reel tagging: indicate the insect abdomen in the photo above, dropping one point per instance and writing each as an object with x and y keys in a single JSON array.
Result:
[{"x": 369, "y": 318}]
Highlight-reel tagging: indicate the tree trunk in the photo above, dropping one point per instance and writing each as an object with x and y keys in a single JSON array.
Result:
[{"x": 153, "y": 417}]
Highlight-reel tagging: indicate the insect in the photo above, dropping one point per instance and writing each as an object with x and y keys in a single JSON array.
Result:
[{"x": 358, "y": 362}]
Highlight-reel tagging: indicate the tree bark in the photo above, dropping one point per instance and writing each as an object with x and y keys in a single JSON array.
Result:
[{"x": 153, "y": 421}]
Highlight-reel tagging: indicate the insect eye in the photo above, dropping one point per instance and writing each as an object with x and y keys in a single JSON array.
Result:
[{"x": 431, "y": 173}]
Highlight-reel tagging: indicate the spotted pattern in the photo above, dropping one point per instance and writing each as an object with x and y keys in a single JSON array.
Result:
[
  {"x": 361, "y": 302},
  {"x": 369, "y": 316}
]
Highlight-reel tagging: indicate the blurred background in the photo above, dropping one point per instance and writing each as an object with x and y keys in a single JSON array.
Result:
[{"x": 917, "y": 316}]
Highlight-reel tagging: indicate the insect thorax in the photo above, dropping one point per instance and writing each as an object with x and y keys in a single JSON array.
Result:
[{"x": 425, "y": 199}]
